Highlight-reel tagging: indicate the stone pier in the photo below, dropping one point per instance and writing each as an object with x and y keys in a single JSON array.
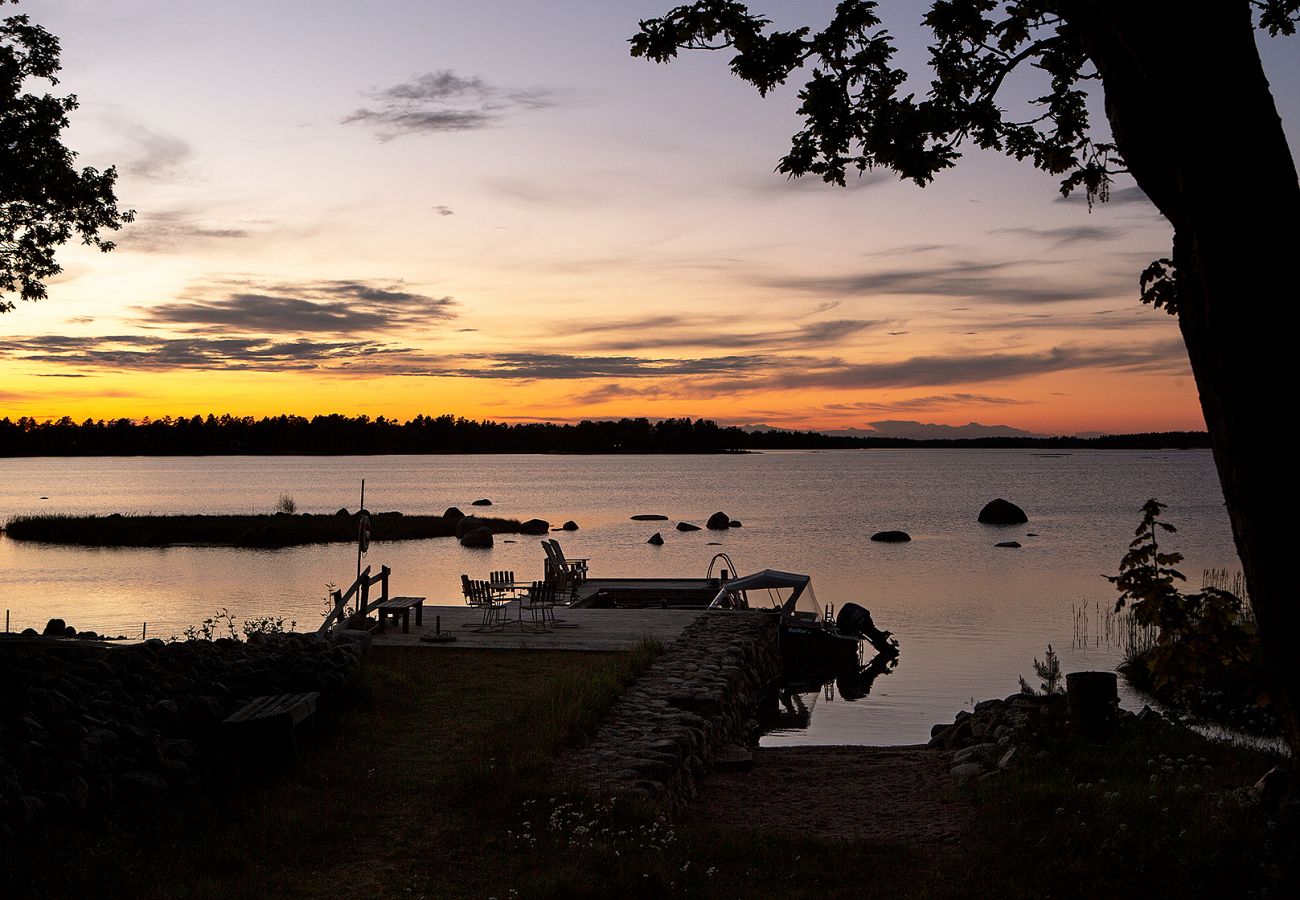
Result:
[{"x": 698, "y": 697}]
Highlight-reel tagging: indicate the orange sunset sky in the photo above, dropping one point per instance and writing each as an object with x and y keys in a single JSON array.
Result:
[{"x": 490, "y": 209}]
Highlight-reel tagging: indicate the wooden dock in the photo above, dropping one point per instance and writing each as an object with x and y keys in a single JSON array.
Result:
[{"x": 578, "y": 629}]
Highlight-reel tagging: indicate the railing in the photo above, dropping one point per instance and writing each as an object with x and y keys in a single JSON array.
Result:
[{"x": 359, "y": 587}]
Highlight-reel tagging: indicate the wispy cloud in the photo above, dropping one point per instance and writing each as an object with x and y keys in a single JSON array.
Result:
[
  {"x": 1070, "y": 234},
  {"x": 443, "y": 101},
  {"x": 927, "y": 403},
  {"x": 313, "y": 307},
  {"x": 170, "y": 231},
  {"x": 156, "y": 155},
  {"x": 652, "y": 332},
  {"x": 991, "y": 281},
  {"x": 148, "y": 353}
]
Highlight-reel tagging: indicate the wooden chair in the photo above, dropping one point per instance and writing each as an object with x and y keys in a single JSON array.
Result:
[
  {"x": 478, "y": 595},
  {"x": 575, "y": 567},
  {"x": 540, "y": 602}
]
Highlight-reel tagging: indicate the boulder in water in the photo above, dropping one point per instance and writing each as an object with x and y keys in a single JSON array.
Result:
[
  {"x": 483, "y": 502},
  {"x": 1002, "y": 512},
  {"x": 734, "y": 523},
  {"x": 657, "y": 539},
  {"x": 649, "y": 517},
  {"x": 570, "y": 525},
  {"x": 55, "y": 628},
  {"x": 1015, "y": 545},
  {"x": 891, "y": 537},
  {"x": 687, "y": 526},
  {"x": 718, "y": 521},
  {"x": 453, "y": 513},
  {"x": 468, "y": 524},
  {"x": 534, "y": 526},
  {"x": 480, "y": 537}
]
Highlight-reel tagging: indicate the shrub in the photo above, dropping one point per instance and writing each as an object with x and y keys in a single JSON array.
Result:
[{"x": 286, "y": 504}]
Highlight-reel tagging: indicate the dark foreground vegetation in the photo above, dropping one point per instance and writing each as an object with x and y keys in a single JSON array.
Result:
[
  {"x": 344, "y": 435},
  {"x": 276, "y": 530},
  {"x": 437, "y": 782}
]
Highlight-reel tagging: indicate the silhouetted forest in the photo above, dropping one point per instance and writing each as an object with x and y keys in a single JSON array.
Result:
[{"x": 342, "y": 435}]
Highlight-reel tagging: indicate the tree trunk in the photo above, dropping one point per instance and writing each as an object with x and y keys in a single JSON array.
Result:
[{"x": 1194, "y": 118}]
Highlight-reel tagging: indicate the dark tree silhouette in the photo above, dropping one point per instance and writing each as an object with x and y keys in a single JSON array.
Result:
[
  {"x": 1191, "y": 119},
  {"x": 44, "y": 198}
]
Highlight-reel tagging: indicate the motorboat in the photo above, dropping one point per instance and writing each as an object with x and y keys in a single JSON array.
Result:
[{"x": 808, "y": 633}]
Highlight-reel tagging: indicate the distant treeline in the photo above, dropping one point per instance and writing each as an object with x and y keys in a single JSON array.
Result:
[{"x": 341, "y": 435}]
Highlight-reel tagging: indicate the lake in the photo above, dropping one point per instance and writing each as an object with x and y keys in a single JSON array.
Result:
[{"x": 969, "y": 617}]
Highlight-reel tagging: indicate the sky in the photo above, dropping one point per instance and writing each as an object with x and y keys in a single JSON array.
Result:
[{"x": 490, "y": 209}]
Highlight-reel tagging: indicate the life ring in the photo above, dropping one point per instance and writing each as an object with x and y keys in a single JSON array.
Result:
[{"x": 363, "y": 533}]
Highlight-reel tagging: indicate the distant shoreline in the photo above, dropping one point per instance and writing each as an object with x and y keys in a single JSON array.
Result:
[{"x": 447, "y": 435}]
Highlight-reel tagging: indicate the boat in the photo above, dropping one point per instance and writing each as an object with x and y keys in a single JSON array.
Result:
[{"x": 808, "y": 634}]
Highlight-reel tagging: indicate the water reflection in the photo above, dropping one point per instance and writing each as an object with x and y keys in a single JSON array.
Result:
[{"x": 789, "y": 707}]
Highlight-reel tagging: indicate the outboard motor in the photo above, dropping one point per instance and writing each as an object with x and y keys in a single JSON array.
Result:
[{"x": 855, "y": 619}]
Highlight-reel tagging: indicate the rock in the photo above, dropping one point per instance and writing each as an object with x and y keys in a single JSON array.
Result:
[
  {"x": 468, "y": 524},
  {"x": 55, "y": 628},
  {"x": 535, "y": 526},
  {"x": 479, "y": 538},
  {"x": 1015, "y": 545},
  {"x": 482, "y": 502},
  {"x": 453, "y": 513},
  {"x": 718, "y": 521},
  {"x": 1270, "y": 788},
  {"x": 570, "y": 526},
  {"x": 734, "y": 523},
  {"x": 649, "y": 517},
  {"x": 966, "y": 771},
  {"x": 343, "y": 511},
  {"x": 733, "y": 759},
  {"x": 1009, "y": 759},
  {"x": 69, "y": 632},
  {"x": 1031, "y": 534},
  {"x": 657, "y": 539},
  {"x": 891, "y": 537},
  {"x": 29, "y": 632},
  {"x": 141, "y": 785},
  {"x": 989, "y": 704},
  {"x": 687, "y": 526},
  {"x": 1002, "y": 512}
]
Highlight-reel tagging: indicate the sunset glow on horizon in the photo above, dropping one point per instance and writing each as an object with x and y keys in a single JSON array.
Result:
[{"x": 491, "y": 210}]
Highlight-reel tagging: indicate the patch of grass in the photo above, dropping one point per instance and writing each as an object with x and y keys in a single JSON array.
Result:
[
  {"x": 1150, "y": 814},
  {"x": 278, "y": 530},
  {"x": 382, "y": 805}
]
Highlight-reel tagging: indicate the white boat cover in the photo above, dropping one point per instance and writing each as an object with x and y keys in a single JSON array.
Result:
[{"x": 773, "y": 581}]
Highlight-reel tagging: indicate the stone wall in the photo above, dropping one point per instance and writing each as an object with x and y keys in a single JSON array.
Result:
[
  {"x": 698, "y": 697},
  {"x": 85, "y": 727}
]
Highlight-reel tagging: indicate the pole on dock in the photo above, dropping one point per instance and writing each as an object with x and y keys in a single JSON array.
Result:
[
  {"x": 144, "y": 630},
  {"x": 6, "y": 621},
  {"x": 360, "y": 512}
]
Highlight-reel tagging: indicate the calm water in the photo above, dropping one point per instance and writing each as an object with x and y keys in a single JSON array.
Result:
[{"x": 969, "y": 617}]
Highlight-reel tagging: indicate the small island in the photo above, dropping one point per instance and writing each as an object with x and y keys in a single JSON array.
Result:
[{"x": 269, "y": 530}]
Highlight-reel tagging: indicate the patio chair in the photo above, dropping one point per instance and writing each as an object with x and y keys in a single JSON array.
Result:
[
  {"x": 576, "y": 567},
  {"x": 478, "y": 595},
  {"x": 540, "y": 602}
]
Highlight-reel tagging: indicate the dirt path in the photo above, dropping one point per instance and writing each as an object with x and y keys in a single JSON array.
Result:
[{"x": 892, "y": 795}]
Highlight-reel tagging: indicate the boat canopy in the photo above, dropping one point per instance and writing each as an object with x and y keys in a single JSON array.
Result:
[{"x": 787, "y": 591}]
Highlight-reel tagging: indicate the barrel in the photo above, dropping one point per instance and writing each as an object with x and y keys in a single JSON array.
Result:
[{"x": 1094, "y": 699}]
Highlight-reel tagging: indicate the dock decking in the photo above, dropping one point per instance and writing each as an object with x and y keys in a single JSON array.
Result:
[{"x": 596, "y": 629}]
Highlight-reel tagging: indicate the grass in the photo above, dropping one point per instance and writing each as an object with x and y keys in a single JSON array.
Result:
[
  {"x": 277, "y": 530},
  {"x": 438, "y": 782}
]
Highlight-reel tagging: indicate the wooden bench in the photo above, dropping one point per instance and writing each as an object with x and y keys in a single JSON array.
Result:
[
  {"x": 274, "y": 719},
  {"x": 395, "y": 607}
]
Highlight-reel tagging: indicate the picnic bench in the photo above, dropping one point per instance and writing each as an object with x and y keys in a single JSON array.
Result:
[
  {"x": 273, "y": 719},
  {"x": 400, "y": 607}
]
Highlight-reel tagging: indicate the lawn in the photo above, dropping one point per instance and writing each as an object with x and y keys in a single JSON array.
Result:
[{"x": 437, "y": 782}]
